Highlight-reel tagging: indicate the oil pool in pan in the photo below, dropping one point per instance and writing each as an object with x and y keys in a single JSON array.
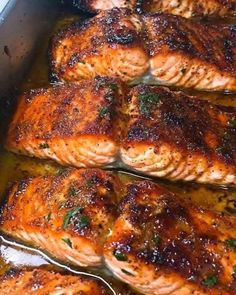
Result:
[{"x": 14, "y": 167}]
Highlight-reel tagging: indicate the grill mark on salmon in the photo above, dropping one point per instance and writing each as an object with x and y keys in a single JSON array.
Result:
[
  {"x": 42, "y": 282},
  {"x": 162, "y": 245},
  {"x": 172, "y": 135},
  {"x": 174, "y": 50},
  {"x": 73, "y": 124},
  {"x": 67, "y": 216},
  {"x": 184, "y": 8}
]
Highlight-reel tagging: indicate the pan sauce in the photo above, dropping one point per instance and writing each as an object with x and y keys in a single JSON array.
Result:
[{"x": 14, "y": 167}]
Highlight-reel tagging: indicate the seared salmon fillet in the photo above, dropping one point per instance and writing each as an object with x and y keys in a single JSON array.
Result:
[
  {"x": 44, "y": 282},
  {"x": 191, "y": 54},
  {"x": 185, "y": 8},
  {"x": 151, "y": 129},
  {"x": 73, "y": 124},
  {"x": 161, "y": 245},
  {"x": 108, "y": 44},
  {"x": 172, "y": 135},
  {"x": 67, "y": 216},
  {"x": 172, "y": 49}
]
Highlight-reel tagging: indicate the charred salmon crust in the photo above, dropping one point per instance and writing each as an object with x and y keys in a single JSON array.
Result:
[
  {"x": 161, "y": 245},
  {"x": 109, "y": 44},
  {"x": 42, "y": 282},
  {"x": 67, "y": 216},
  {"x": 172, "y": 135},
  {"x": 73, "y": 124},
  {"x": 173, "y": 50}
]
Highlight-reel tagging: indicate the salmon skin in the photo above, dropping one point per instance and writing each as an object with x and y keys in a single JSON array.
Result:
[
  {"x": 153, "y": 130},
  {"x": 73, "y": 124},
  {"x": 67, "y": 216},
  {"x": 45, "y": 282},
  {"x": 172, "y": 135},
  {"x": 170, "y": 49},
  {"x": 185, "y": 8},
  {"x": 162, "y": 245}
]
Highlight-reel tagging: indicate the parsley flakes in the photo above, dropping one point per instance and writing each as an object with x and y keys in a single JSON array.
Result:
[
  {"x": 120, "y": 256},
  {"x": 210, "y": 281},
  {"x": 146, "y": 101},
  {"x": 69, "y": 215},
  {"x": 68, "y": 242}
]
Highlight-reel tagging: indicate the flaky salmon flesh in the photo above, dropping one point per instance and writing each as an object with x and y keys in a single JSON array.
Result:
[
  {"x": 151, "y": 129},
  {"x": 169, "y": 49},
  {"x": 45, "y": 282},
  {"x": 185, "y": 8},
  {"x": 67, "y": 216},
  {"x": 162, "y": 245}
]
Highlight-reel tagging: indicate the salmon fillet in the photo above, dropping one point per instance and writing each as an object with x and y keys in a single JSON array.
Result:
[
  {"x": 174, "y": 50},
  {"x": 151, "y": 129},
  {"x": 73, "y": 124},
  {"x": 161, "y": 245},
  {"x": 172, "y": 135},
  {"x": 44, "y": 282},
  {"x": 108, "y": 44},
  {"x": 190, "y": 54},
  {"x": 185, "y": 8},
  {"x": 67, "y": 216}
]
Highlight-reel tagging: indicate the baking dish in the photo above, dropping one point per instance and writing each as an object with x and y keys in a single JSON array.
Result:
[{"x": 24, "y": 23}]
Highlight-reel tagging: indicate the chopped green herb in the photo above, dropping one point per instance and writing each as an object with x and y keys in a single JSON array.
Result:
[
  {"x": 83, "y": 222},
  {"x": 113, "y": 86},
  {"x": 103, "y": 112},
  {"x": 127, "y": 272},
  {"x": 119, "y": 255},
  {"x": 88, "y": 184},
  {"x": 221, "y": 150},
  {"x": 68, "y": 242},
  {"x": 210, "y": 281},
  {"x": 232, "y": 123},
  {"x": 43, "y": 146},
  {"x": 73, "y": 191},
  {"x": 69, "y": 215},
  {"x": 146, "y": 101},
  {"x": 49, "y": 216},
  {"x": 231, "y": 243},
  {"x": 226, "y": 136},
  {"x": 157, "y": 239},
  {"x": 234, "y": 270},
  {"x": 60, "y": 171}
]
